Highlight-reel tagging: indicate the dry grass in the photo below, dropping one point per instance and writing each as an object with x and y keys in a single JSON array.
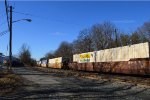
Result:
[{"x": 9, "y": 82}]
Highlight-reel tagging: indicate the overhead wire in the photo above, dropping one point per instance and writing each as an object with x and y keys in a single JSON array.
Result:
[
  {"x": 27, "y": 14},
  {"x": 6, "y": 8},
  {"x": 2, "y": 17},
  {"x": 7, "y": 19},
  {"x": 4, "y": 32},
  {"x": 44, "y": 18}
]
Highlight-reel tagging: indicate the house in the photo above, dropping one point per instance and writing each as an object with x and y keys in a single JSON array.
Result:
[{"x": 1, "y": 58}]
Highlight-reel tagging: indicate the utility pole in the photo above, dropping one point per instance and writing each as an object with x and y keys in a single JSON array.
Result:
[
  {"x": 116, "y": 36},
  {"x": 10, "y": 39}
]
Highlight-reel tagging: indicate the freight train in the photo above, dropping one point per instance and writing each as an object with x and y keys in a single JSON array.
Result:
[{"x": 131, "y": 59}]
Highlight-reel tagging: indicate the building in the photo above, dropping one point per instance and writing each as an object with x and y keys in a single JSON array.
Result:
[{"x": 1, "y": 58}]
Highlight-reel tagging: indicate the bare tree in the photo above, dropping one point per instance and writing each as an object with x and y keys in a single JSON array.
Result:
[
  {"x": 124, "y": 39},
  {"x": 144, "y": 32},
  {"x": 83, "y": 42},
  {"x": 43, "y": 58},
  {"x": 25, "y": 55},
  {"x": 104, "y": 35},
  {"x": 64, "y": 50},
  {"x": 49, "y": 55},
  {"x": 135, "y": 38},
  {"x": 77, "y": 47}
]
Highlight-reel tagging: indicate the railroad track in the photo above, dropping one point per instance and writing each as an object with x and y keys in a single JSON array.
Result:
[{"x": 138, "y": 80}]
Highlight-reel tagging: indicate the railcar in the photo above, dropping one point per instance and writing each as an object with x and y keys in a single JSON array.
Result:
[
  {"x": 44, "y": 63},
  {"x": 38, "y": 63},
  {"x": 132, "y": 59},
  {"x": 60, "y": 63}
]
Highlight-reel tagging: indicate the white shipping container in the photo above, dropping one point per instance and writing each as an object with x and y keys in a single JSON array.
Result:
[
  {"x": 84, "y": 57},
  {"x": 44, "y": 63},
  {"x": 124, "y": 53},
  {"x": 76, "y": 58},
  {"x": 38, "y": 63},
  {"x": 55, "y": 62}
]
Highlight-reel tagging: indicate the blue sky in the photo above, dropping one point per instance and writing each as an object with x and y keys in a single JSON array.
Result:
[{"x": 54, "y": 22}]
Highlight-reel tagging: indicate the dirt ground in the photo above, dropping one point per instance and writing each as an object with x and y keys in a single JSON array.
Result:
[
  {"x": 9, "y": 82},
  {"x": 55, "y": 84}
]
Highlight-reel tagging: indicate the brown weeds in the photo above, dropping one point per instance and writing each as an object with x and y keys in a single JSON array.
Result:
[{"x": 8, "y": 82}]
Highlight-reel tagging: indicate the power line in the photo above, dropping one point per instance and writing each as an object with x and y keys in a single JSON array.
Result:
[
  {"x": 2, "y": 17},
  {"x": 6, "y": 7},
  {"x": 4, "y": 32},
  {"x": 45, "y": 18},
  {"x": 23, "y": 13},
  {"x": 27, "y": 14}
]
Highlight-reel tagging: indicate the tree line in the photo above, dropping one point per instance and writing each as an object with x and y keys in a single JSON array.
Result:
[{"x": 98, "y": 37}]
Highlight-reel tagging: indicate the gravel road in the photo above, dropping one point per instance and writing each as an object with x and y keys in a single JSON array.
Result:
[{"x": 42, "y": 85}]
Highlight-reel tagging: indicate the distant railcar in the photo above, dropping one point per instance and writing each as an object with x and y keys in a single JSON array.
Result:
[
  {"x": 60, "y": 62},
  {"x": 38, "y": 63},
  {"x": 44, "y": 63}
]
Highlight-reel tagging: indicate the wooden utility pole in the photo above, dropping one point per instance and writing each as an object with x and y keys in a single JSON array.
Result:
[
  {"x": 10, "y": 39},
  {"x": 116, "y": 36}
]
